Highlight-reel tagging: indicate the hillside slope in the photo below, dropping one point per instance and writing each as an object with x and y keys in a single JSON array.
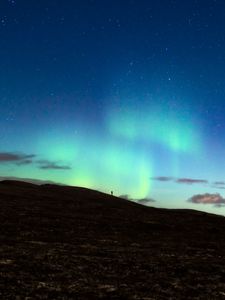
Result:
[{"x": 59, "y": 242}]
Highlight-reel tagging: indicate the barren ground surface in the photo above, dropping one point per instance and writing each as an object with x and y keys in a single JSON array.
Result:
[{"x": 70, "y": 243}]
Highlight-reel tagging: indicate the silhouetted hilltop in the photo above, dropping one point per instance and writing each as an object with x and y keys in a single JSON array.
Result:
[
  {"x": 62, "y": 242},
  {"x": 15, "y": 183}
]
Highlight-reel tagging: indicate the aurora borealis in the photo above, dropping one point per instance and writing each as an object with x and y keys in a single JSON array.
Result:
[{"x": 122, "y": 96}]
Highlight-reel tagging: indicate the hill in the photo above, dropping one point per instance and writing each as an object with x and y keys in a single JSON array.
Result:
[{"x": 61, "y": 242}]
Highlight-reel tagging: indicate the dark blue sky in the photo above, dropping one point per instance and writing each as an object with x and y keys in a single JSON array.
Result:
[{"x": 130, "y": 90}]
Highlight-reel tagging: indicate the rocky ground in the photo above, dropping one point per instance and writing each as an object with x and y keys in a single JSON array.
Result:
[{"x": 71, "y": 243}]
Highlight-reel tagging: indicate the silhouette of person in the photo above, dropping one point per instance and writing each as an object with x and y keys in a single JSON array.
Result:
[{"x": 112, "y": 193}]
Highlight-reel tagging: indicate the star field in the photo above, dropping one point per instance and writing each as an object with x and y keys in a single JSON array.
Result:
[{"x": 116, "y": 95}]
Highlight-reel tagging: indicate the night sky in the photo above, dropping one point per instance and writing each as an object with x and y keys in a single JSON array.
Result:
[{"x": 116, "y": 95}]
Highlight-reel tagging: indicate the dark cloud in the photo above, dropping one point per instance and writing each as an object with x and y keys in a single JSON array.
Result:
[
  {"x": 219, "y": 182},
  {"x": 144, "y": 201},
  {"x": 180, "y": 180},
  {"x": 162, "y": 178},
  {"x": 25, "y": 162},
  {"x": 21, "y": 159},
  {"x": 207, "y": 198},
  {"x": 191, "y": 180},
  {"x": 218, "y": 185},
  {"x": 49, "y": 165},
  {"x": 18, "y": 158},
  {"x": 125, "y": 196}
]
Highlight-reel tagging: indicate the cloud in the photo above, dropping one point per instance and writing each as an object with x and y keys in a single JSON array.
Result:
[
  {"x": 219, "y": 187},
  {"x": 126, "y": 197},
  {"x": 207, "y": 198},
  {"x": 162, "y": 178},
  {"x": 191, "y": 180},
  {"x": 144, "y": 201},
  {"x": 50, "y": 165},
  {"x": 219, "y": 182},
  {"x": 179, "y": 180},
  {"x": 24, "y": 162},
  {"x": 21, "y": 159},
  {"x": 18, "y": 158}
]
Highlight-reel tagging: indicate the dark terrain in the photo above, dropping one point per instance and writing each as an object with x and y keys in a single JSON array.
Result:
[{"x": 59, "y": 242}]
